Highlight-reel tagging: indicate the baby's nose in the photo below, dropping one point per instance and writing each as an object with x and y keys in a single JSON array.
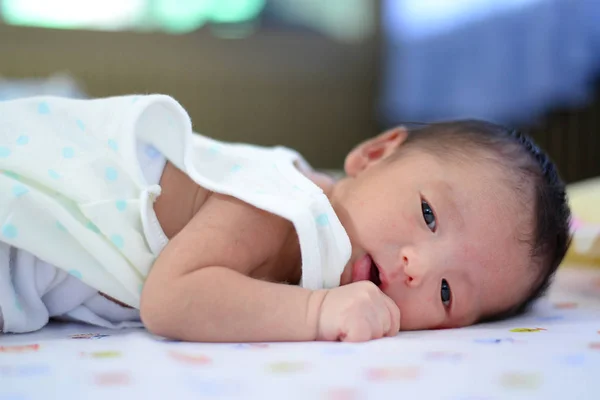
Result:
[
  {"x": 407, "y": 270},
  {"x": 397, "y": 273}
]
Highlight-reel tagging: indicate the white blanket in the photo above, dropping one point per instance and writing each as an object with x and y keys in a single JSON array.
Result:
[{"x": 552, "y": 353}]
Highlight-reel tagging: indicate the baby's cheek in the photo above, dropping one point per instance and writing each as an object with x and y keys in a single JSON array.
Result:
[
  {"x": 468, "y": 253},
  {"x": 417, "y": 317},
  {"x": 393, "y": 293},
  {"x": 413, "y": 220},
  {"x": 465, "y": 249},
  {"x": 404, "y": 228},
  {"x": 416, "y": 311}
]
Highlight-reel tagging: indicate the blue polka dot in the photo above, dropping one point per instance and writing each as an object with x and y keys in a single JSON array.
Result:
[
  {"x": 4, "y": 152},
  {"x": 135, "y": 98},
  {"x": 551, "y": 318},
  {"x": 573, "y": 359},
  {"x": 11, "y": 174},
  {"x": 92, "y": 227},
  {"x": 9, "y": 231},
  {"x": 43, "y": 108},
  {"x": 61, "y": 227},
  {"x": 118, "y": 241},
  {"x": 19, "y": 190},
  {"x": 494, "y": 340},
  {"x": 140, "y": 287},
  {"x": 323, "y": 220},
  {"x": 236, "y": 168},
  {"x": 80, "y": 124},
  {"x": 18, "y": 305},
  {"x": 214, "y": 149},
  {"x": 111, "y": 174},
  {"x": 152, "y": 152},
  {"x": 75, "y": 273},
  {"x": 22, "y": 140},
  {"x": 68, "y": 152},
  {"x": 121, "y": 205},
  {"x": 53, "y": 174},
  {"x": 113, "y": 144}
]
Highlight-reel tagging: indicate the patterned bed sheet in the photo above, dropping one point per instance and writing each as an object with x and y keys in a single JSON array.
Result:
[{"x": 552, "y": 353}]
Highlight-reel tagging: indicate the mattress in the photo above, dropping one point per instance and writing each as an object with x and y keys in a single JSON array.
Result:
[{"x": 551, "y": 353}]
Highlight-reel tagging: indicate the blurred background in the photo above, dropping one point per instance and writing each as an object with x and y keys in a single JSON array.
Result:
[{"x": 320, "y": 76}]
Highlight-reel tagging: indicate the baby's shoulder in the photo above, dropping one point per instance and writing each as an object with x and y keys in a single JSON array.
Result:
[{"x": 226, "y": 231}]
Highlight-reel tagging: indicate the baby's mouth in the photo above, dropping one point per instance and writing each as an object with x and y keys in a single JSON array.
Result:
[
  {"x": 365, "y": 269},
  {"x": 374, "y": 274}
]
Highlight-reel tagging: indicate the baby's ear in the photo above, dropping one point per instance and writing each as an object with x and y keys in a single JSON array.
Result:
[{"x": 374, "y": 150}]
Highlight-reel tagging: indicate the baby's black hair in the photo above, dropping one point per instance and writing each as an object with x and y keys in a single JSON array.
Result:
[{"x": 534, "y": 175}]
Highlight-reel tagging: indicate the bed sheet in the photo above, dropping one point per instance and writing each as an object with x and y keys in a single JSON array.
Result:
[{"x": 552, "y": 353}]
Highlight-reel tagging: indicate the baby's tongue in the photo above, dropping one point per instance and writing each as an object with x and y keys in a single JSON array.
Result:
[{"x": 361, "y": 270}]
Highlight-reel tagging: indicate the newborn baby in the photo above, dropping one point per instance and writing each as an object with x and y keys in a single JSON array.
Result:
[{"x": 115, "y": 213}]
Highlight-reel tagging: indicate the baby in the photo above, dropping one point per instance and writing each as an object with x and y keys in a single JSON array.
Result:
[{"x": 113, "y": 212}]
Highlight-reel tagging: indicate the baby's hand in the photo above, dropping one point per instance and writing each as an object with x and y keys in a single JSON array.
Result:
[{"x": 357, "y": 312}]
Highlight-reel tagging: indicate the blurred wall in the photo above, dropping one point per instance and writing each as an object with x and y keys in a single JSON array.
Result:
[{"x": 297, "y": 89}]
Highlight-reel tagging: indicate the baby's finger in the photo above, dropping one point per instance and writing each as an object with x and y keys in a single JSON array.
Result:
[
  {"x": 394, "y": 313},
  {"x": 378, "y": 321},
  {"x": 357, "y": 332},
  {"x": 385, "y": 322}
]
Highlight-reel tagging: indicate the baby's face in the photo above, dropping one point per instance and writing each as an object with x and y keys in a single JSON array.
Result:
[{"x": 440, "y": 238}]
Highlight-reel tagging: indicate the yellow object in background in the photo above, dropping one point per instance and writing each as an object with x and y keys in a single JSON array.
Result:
[{"x": 584, "y": 199}]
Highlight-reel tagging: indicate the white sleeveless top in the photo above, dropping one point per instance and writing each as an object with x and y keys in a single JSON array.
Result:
[{"x": 73, "y": 194}]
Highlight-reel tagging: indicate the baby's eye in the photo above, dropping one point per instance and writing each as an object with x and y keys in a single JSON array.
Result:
[
  {"x": 428, "y": 215},
  {"x": 445, "y": 293}
]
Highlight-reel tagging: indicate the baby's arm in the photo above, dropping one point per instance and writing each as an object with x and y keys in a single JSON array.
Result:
[
  {"x": 217, "y": 304},
  {"x": 198, "y": 289}
]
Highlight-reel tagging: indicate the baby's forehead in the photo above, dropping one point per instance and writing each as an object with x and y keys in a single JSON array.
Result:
[
  {"x": 483, "y": 181},
  {"x": 476, "y": 161}
]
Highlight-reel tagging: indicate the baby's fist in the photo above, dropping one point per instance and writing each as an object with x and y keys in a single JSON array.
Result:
[{"x": 356, "y": 313}]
